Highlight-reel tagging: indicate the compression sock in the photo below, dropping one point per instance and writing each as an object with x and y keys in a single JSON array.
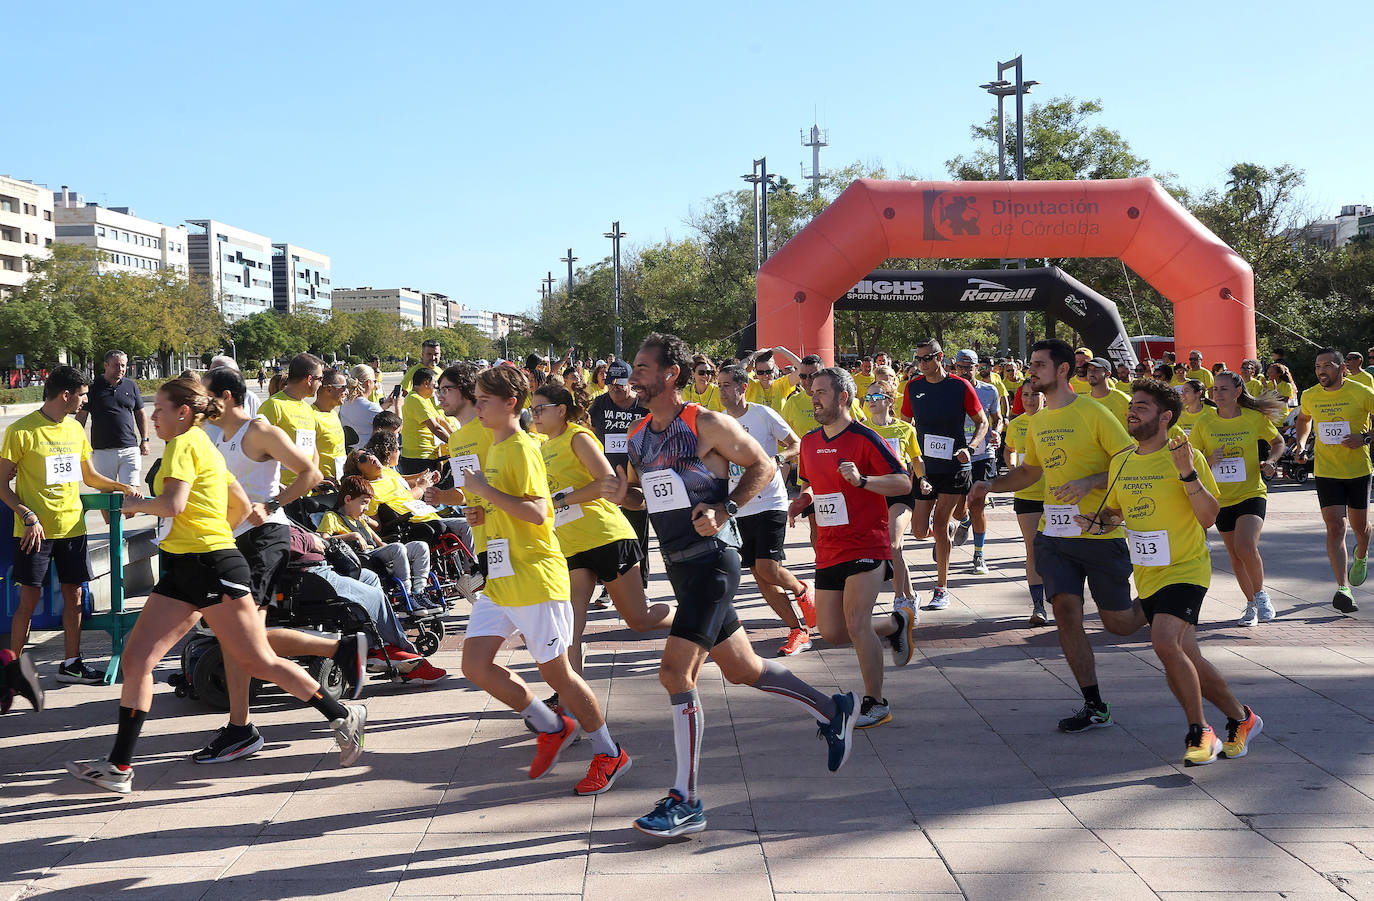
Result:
[
  {"x": 978, "y": 538},
  {"x": 602, "y": 743},
  {"x": 966, "y": 522},
  {"x": 541, "y": 717},
  {"x": 781, "y": 681},
  {"x": 1037, "y": 594},
  {"x": 130, "y": 724},
  {"x": 688, "y": 725},
  {"x": 1093, "y": 696},
  {"x": 330, "y": 708}
]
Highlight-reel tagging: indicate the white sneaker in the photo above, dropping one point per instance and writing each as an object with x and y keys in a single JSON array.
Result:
[
  {"x": 909, "y": 605},
  {"x": 939, "y": 600},
  {"x": 104, "y": 774},
  {"x": 1250, "y": 617},
  {"x": 1266, "y": 606}
]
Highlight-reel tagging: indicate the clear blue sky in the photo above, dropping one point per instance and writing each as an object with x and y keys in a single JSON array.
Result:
[{"x": 463, "y": 147}]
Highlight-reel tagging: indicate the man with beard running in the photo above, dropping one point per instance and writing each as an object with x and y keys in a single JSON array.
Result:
[
  {"x": 681, "y": 457},
  {"x": 1071, "y": 441},
  {"x": 847, "y": 473}
]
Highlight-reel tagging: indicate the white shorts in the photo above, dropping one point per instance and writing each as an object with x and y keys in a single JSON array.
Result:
[
  {"x": 547, "y": 627},
  {"x": 121, "y": 464}
]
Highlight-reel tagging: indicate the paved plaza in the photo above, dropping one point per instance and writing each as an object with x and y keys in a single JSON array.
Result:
[{"x": 970, "y": 791}]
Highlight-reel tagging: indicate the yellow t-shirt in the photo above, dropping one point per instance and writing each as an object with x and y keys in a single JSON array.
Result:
[
  {"x": 391, "y": 490},
  {"x": 1255, "y": 387},
  {"x": 1147, "y": 491},
  {"x": 537, "y": 569},
  {"x": 1188, "y": 421},
  {"x": 710, "y": 398},
  {"x": 1202, "y": 375},
  {"x": 798, "y": 413},
  {"x": 1073, "y": 442},
  {"x": 48, "y": 456},
  {"x": 861, "y": 382},
  {"x": 1016, "y": 442},
  {"x": 329, "y": 439},
  {"x": 774, "y": 397},
  {"x": 1238, "y": 474},
  {"x": 900, "y": 438},
  {"x": 202, "y": 527},
  {"x": 297, "y": 419},
  {"x": 417, "y": 441},
  {"x": 1362, "y": 377},
  {"x": 590, "y": 524},
  {"x": 467, "y": 449},
  {"x": 1080, "y": 385},
  {"x": 333, "y": 523},
  {"x": 407, "y": 380},
  {"x": 1344, "y": 411},
  {"x": 1115, "y": 401}
]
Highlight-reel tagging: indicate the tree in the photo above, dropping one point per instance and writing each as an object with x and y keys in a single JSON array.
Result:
[{"x": 260, "y": 336}]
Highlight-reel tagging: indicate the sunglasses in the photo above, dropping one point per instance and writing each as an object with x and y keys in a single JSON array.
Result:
[
  {"x": 537, "y": 407},
  {"x": 806, "y": 376},
  {"x": 706, "y": 372},
  {"x": 926, "y": 358},
  {"x": 875, "y": 398},
  {"x": 768, "y": 372},
  {"x": 364, "y": 456}
]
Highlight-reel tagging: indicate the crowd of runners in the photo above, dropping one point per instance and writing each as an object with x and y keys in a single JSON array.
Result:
[{"x": 552, "y": 473}]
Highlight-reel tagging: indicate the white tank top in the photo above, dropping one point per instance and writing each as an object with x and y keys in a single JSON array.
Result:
[{"x": 261, "y": 481}]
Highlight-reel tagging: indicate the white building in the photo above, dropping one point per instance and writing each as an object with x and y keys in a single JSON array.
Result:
[
  {"x": 489, "y": 322},
  {"x": 300, "y": 279},
  {"x": 1353, "y": 219},
  {"x": 406, "y": 303},
  {"x": 437, "y": 308},
  {"x": 130, "y": 244},
  {"x": 26, "y": 229},
  {"x": 235, "y": 264}
]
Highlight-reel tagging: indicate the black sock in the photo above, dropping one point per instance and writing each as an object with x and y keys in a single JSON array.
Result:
[
  {"x": 1092, "y": 696},
  {"x": 130, "y": 724},
  {"x": 233, "y": 730},
  {"x": 326, "y": 705}
]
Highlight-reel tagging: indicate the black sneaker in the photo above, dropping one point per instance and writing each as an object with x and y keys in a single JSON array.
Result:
[
  {"x": 1087, "y": 717},
  {"x": 351, "y": 659},
  {"x": 230, "y": 743},
  {"x": 23, "y": 679},
  {"x": 839, "y": 732},
  {"x": 79, "y": 674}
]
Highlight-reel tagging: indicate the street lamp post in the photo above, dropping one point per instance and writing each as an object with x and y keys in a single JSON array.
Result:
[
  {"x": 569, "y": 259},
  {"x": 1002, "y": 89},
  {"x": 615, "y": 234},
  {"x": 760, "y": 179}
]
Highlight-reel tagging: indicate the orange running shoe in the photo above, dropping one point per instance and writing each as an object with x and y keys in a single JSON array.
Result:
[
  {"x": 798, "y": 640},
  {"x": 549, "y": 746},
  {"x": 1239, "y": 734},
  {"x": 807, "y": 605},
  {"x": 603, "y": 772}
]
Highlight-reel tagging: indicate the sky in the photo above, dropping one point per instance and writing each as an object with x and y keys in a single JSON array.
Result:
[{"x": 463, "y": 148}]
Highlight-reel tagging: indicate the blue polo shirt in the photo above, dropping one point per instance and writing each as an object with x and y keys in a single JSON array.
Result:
[{"x": 112, "y": 409}]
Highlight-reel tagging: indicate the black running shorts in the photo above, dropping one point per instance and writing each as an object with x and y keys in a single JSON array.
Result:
[
  {"x": 1352, "y": 493},
  {"x": 1104, "y": 563},
  {"x": 832, "y": 578},
  {"x": 1228, "y": 516},
  {"x": 203, "y": 580},
  {"x": 609, "y": 561},
  {"x": 1182, "y": 600},
  {"x": 68, "y": 554},
  {"x": 763, "y": 536},
  {"x": 705, "y": 590},
  {"x": 266, "y": 549}
]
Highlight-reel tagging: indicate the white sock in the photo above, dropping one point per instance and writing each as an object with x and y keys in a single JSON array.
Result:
[
  {"x": 539, "y": 716},
  {"x": 688, "y": 726},
  {"x": 602, "y": 743},
  {"x": 72, "y": 661}
]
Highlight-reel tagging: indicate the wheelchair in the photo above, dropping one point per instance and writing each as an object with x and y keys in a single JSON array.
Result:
[{"x": 305, "y": 602}]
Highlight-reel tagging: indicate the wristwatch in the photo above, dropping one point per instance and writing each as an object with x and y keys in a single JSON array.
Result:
[
  {"x": 1190, "y": 477},
  {"x": 731, "y": 508},
  {"x": 272, "y": 506},
  {"x": 863, "y": 480}
]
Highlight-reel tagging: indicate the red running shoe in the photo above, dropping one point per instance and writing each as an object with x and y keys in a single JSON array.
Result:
[
  {"x": 603, "y": 772},
  {"x": 425, "y": 673},
  {"x": 549, "y": 746},
  {"x": 807, "y": 605},
  {"x": 798, "y": 640}
]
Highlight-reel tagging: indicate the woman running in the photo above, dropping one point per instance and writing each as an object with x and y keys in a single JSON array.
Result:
[
  {"x": 203, "y": 575},
  {"x": 900, "y": 437},
  {"x": 1230, "y": 442},
  {"x": 1196, "y": 406},
  {"x": 597, "y": 539},
  {"x": 1280, "y": 380},
  {"x": 1029, "y": 503}
]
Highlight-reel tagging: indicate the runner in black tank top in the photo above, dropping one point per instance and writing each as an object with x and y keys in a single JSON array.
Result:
[{"x": 680, "y": 458}]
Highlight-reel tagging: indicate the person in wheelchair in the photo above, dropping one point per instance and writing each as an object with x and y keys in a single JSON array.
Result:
[
  {"x": 407, "y": 561},
  {"x": 397, "y": 506},
  {"x": 364, "y": 588}
]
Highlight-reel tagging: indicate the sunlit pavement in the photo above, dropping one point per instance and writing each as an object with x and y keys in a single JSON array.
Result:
[{"x": 970, "y": 790}]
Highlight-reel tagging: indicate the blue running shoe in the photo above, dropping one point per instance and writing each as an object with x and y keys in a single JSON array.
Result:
[
  {"x": 839, "y": 732},
  {"x": 673, "y": 816}
]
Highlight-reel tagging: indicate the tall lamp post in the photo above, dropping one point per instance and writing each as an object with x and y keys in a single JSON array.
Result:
[
  {"x": 569, "y": 259},
  {"x": 760, "y": 179},
  {"x": 1001, "y": 88},
  {"x": 615, "y": 234}
]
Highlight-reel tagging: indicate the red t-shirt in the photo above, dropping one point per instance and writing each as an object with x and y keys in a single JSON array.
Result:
[{"x": 851, "y": 522}]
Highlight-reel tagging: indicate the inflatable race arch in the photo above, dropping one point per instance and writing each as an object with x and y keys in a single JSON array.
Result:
[{"x": 1135, "y": 220}]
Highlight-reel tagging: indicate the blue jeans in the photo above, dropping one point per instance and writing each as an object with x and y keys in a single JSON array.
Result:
[{"x": 366, "y": 592}]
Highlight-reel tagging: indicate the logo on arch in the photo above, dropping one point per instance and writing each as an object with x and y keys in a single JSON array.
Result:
[{"x": 949, "y": 216}]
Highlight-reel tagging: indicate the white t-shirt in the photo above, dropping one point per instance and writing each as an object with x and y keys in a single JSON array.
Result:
[
  {"x": 766, "y": 427},
  {"x": 357, "y": 414},
  {"x": 987, "y": 396}
]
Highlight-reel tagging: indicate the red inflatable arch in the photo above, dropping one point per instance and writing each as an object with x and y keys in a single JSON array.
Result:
[{"x": 1134, "y": 219}]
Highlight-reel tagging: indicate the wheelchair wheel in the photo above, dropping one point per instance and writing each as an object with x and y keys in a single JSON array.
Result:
[
  {"x": 1301, "y": 475},
  {"x": 208, "y": 680},
  {"x": 431, "y": 634},
  {"x": 330, "y": 677}
]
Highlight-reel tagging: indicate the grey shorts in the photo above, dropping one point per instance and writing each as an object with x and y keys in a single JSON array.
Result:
[{"x": 1104, "y": 563}]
